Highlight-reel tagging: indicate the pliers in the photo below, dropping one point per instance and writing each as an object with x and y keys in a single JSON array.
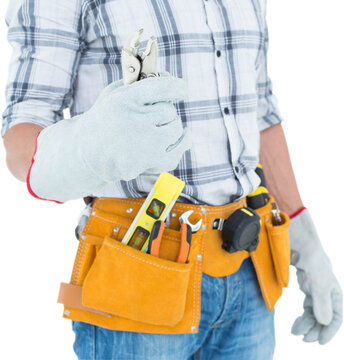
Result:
[
  {"x": 134, "y": 66},
  {"x": 155, "y": 240},
  {"x": 186, "y": 229}
]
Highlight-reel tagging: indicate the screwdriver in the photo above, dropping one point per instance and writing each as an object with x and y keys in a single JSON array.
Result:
[{"x": 260, "y": 196}]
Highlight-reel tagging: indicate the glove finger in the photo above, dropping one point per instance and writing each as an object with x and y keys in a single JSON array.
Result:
[
  {"x": 155, "y": 89},
  {"x": 176, "y": 151},
  {"x": 170, "y": 134},
  {"x": 182, "y": 144},
  {"x": 322, "y": 306},
  {"x": 313, "y": 334},
  {"x": 308, "y": 303},
  {"x": 162, "y": 113},
  {"x": 328, "y": 332},
  {"x": 172, "y": 158},
  {"x": 303, "y": 323}
]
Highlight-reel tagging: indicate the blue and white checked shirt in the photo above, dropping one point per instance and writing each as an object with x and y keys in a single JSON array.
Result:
[{"x": 65, "y": 52}]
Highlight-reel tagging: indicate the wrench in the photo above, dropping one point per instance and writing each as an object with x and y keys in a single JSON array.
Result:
[
  {"x": 186, "y": 229},
  {"x": 184, "y": 219}
]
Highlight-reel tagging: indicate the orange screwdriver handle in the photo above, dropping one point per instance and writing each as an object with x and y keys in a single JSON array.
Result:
[
  {"x": 155, "y": 238},
  {"x": 185, "y": 243}
]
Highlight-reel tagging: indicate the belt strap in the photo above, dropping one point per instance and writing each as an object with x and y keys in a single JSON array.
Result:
[{"x": 71, "y": 295}]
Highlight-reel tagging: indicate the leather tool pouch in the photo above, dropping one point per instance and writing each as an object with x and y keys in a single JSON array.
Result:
[
  {"x": 126, "y": 282},
  {"x": 118, "y": 287},
  {"x": 278, "y": 237},
  {"x": 272, "y": 257}
]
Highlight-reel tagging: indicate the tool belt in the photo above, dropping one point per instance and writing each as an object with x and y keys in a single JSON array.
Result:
[{"x": 119, "y": 287}]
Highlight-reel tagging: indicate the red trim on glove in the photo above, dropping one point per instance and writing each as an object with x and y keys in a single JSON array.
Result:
[
  {"x": 297, "y": 212},
  {"x": 28, "y": 176}
]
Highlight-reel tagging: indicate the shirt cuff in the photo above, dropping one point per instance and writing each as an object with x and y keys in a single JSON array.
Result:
[
  {"x": 268, "y": 112},
  {"x": 28, "y": 113}
]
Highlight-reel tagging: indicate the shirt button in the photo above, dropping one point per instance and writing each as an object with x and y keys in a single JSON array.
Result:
[
  {"x": 236, "y": 168},
  {"x": 226, "y": 110},
  {"x": 218, "y": 53}
]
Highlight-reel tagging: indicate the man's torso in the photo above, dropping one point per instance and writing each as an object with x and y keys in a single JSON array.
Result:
[{"x": 215, "y": 46}]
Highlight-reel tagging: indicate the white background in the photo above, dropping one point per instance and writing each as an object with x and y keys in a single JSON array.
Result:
[{"x": 306, "y": 60}]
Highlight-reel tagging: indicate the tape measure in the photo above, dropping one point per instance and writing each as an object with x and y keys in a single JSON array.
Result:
[
  {"x": 241, "y": 230},
  {"x": 158, "y": 204}
]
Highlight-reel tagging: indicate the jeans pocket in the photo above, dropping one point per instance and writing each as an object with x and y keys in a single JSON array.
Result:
[
  {"x": 84, "y": 343},
  {"x": 76, "y": 344}
]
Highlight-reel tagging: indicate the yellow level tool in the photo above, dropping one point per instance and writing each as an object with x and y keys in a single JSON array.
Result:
[{"x": 158, "y": 204}]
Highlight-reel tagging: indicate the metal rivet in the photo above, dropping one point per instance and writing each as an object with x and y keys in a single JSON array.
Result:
[
  {"x": 173, "y": 215},
  {"x": 204, "y": 227},
  {"x": 83, "y": 237},
  {"x": 131, "y": 69},
  {"x": 193, "y": 328},
  {"x": 115, "y": 229},
  {"x": 67, "y": 312},
  {"x": 203, "y": 210},
  {"x": 199, "y": 257},
  {"x": 93, "y": 212},
  {"x": 129, "y": 210}
]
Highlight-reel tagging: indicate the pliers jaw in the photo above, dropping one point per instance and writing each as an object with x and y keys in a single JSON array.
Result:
[{"x": 134, "y": 66}]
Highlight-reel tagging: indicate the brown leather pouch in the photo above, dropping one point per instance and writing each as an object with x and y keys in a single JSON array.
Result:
[
  {"x": 120, "y": 288},
  {"x": 280, "y": 249},
  {"x": 129, "y": 283}
]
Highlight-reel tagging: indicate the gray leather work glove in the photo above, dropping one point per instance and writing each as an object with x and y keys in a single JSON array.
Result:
[
  {"x": 129, "y": 130},
  {"x": 323, "y": 305}
]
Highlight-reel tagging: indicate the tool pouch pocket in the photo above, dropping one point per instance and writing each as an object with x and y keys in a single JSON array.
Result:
[
  {"x": 128, "y": 283},
  {"x": 280, "y": 249}
]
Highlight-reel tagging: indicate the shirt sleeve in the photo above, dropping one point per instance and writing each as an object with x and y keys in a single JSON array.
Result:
[
  {"x": 47, "y": 40},
  {"x": 268, "y": 113}
]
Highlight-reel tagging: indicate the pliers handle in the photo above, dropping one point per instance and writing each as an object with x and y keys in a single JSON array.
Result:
[
  {"x": 185, "y": 241},
  {"x": 155, "y": 238}
]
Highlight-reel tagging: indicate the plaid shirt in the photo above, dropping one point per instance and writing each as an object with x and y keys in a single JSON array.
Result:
[{"x": 65, "y": 52}]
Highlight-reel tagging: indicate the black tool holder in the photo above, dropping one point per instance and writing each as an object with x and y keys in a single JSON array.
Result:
[{"x": 241, "y": 230}]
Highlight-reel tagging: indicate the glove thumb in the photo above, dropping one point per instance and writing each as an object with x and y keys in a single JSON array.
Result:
[{"x": 322, "y": 307}]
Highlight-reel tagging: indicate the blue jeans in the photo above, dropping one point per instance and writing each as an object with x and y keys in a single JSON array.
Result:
[{"x": 234, "y": 325}]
